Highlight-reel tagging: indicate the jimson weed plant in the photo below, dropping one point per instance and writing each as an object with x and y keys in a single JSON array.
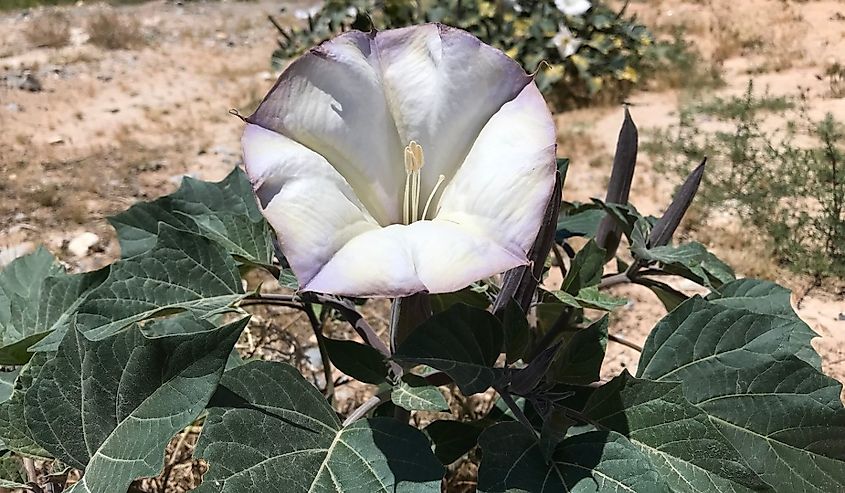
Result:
[{"x": 419, "y": 165}]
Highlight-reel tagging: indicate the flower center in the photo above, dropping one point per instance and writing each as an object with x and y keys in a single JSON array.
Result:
[{"x": 414, "y": 161}]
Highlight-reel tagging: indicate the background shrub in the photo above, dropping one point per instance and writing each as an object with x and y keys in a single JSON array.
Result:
[
  {"x": 787, "y": 183},
  {"x": 595, "y": 57}
]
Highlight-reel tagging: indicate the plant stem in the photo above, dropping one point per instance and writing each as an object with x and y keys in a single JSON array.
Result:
[
  {"x": 625, "y": 342},
  {"x": 515, "y": 409},
  {"x": 317, "y": 327},
  {"x": 344, "y": 307},
  {"x": 614, "y": 280},
  {"x": 366, "y": 407}
]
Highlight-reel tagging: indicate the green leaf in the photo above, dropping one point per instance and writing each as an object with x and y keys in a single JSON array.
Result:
[
  {"x": 467, "y": 296},
  {"x": 579, "y": 221},
  {"x": 689, "y": 260},
  {"x": 48, "y": 317},
  {"x": 452, "y": 439},
  {"x": 580, "y": 359},
  {"x": 7, "y": 384},
  {"x": 357, "y": 360},
  {"x": 740, "y": 367},
  {"x": 669, "y": 296},
  {"x": 413, "y": 393},
  {"x": 597, "y": 461},
  {"x": 184, "y": 272},
  {"x": 14, "y": 432},
  {"x": 555, "y": 426},
  {"x": 268, "y": 428},
  {"x": 517, "y": 332},
  {"x": 768, "y": 298},
  {"x": 225, "y": 212},
  {"x": 12, "y": 473},
  {"x": 685, "y": 447},
  {"x": 463, "y": 342},
  {"x": 111, "y": 406},
  {"x": 586, "y": 269},
  {"x": 36, "y": 297},
  {"x": 590, "y": 297}
]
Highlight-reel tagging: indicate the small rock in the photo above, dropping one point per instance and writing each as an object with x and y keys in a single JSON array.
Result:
[
  {"x": 14, "y": 251},
  {"x": 30, "y": 83},
  {"x": 81, "y": 244},
  {"x": 56, "y": 140},
  {"x": 841, "y": 317},
  {"x": 315, "y": 361}
]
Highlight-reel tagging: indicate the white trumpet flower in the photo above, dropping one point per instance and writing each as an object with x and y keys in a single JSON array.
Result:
[
  {"x": 408, "y": 160},
  {"x": 573, "y": 7}
]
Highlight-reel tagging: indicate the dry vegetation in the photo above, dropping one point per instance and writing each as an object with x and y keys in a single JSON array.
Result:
[
  {"x": 49, "y": 29},
  {"x": 112, "y": 31},
  {"x": 130, "y": 106}
]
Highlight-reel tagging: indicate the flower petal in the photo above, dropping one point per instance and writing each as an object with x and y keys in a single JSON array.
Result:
[
  {"x": 443, "y": 85},
  {"x": 312, "y": 208},
  {"x": 434, "y": 256},
  {"x": 331, "y": 101},
  {"x": 502, "y": 188}
]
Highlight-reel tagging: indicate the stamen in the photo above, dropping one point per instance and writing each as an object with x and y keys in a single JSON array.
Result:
[
  {"x": 414, "y": 161},
  {"x": 440, "y": 180},
  {"x": 406, "y": 205}
]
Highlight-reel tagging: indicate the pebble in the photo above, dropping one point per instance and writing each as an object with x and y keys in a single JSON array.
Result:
[
  {"x": 82, "y": 243},
  {"x": 14, "y": 251}
]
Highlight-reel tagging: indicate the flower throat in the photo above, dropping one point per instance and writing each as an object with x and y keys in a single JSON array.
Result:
[{"x": 414, "y": 161}]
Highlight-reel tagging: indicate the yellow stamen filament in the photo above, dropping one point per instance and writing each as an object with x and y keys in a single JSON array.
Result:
[{"x": 440, "y": 180}]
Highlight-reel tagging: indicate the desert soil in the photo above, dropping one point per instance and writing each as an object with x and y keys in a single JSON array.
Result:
[{"x": 112, "y": 127}]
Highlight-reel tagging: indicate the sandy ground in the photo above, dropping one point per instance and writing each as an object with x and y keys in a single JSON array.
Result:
[{"x": 111, "y": 127}]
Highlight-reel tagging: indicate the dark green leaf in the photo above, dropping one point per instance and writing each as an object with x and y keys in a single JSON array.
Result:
[
  {"x": 111, "y": 406},
  {"x": 690, "y": 260},
  {"x": 580, "y": 359},
  {"x": 517, "y": 332},
  {"x": 768, "y": 298},
  {"x": 14, "y": 432},
  {"x": 452, "y": 439},
  {"x": 554, "y": 429},
  {"x": 467, "y": 296},
  {"x": 580, "y": 222},
  {"x": 413, "y": 393},
  {"x": 12, "y": 473},
  {"x": 597, "y": 461},
  {"x": 268, "y": 429},
  {"x": 37, "y": 297},
  {"x": 669, "y": 296},
  {"x": 225, "y": 212},
  {"x": 684, "y": 446},
  {"x": 586, "y": 269},
  {"x": 184, "y": 272},
  {"x": 360, "y": 362},
  {"x": 740, "y": 367},
  {"x": 463, "y": 342}
]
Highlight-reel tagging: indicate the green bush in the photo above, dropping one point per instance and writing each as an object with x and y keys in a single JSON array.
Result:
[
  {"x": 787, "y": 184},
  {"x": 579, "y": 59}
]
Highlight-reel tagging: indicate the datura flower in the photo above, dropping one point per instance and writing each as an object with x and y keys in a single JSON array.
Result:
[
  {"x": 566, "y": 42},
  {"x": 573, "y": 7},
  {"x": 402, "y": 161}
]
